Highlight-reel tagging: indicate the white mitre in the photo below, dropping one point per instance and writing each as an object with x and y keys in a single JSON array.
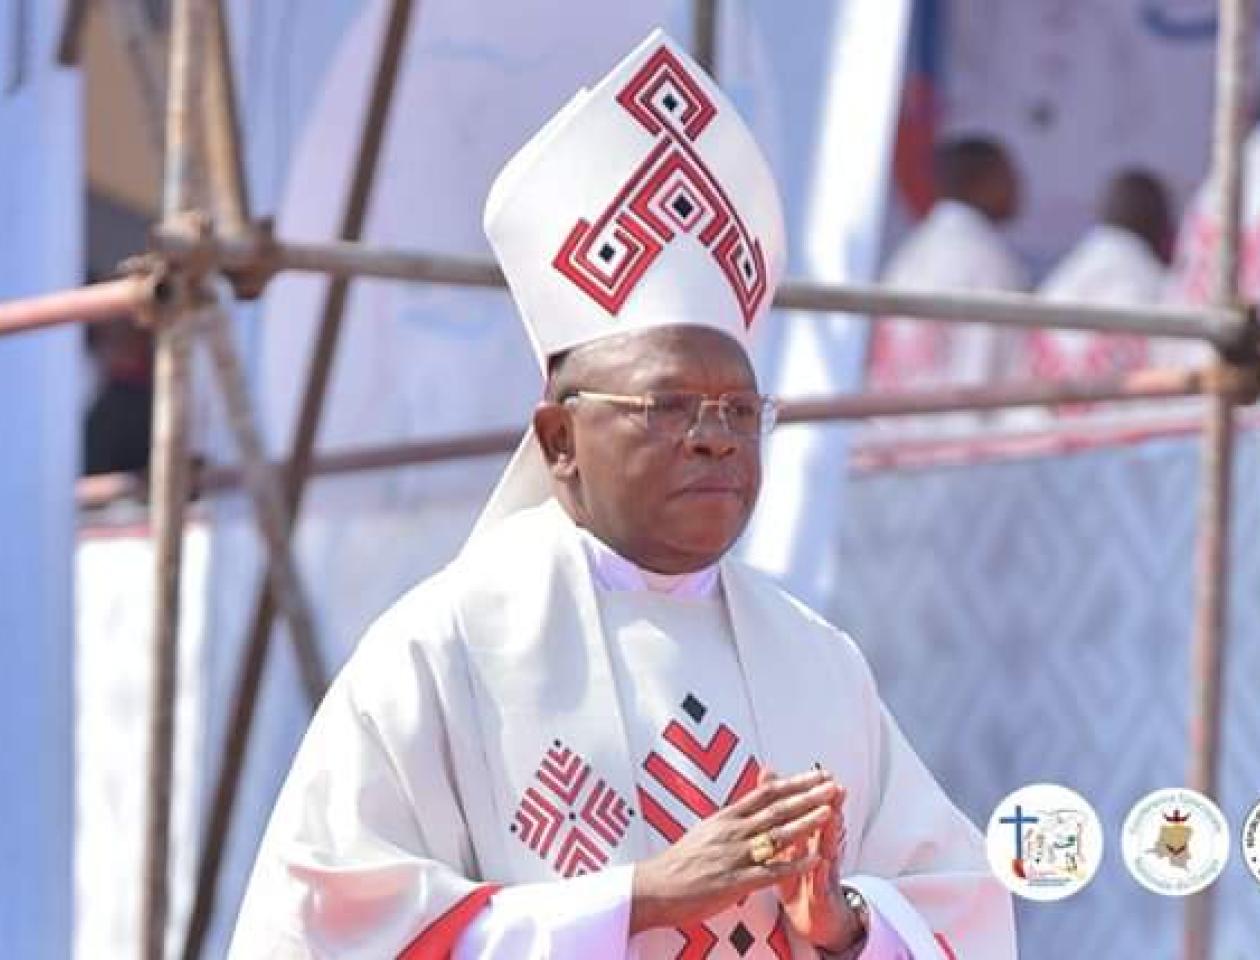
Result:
[{"x": 644, "y": 202}]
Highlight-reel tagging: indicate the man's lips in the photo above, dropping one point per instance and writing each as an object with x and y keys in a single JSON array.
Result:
[{"x": 712, "y": 487}]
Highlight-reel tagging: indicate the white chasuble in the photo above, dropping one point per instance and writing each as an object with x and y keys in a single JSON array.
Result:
[{"x": 499, "y": 726}]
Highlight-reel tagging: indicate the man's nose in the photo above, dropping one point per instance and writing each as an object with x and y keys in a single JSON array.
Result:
[{"x": 709, "y": 435}]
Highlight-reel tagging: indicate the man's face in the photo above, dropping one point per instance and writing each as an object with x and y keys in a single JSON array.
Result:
[{"x": 669, "y": 503}]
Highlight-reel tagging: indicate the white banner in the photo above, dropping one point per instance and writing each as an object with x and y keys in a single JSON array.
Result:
[{"x": 1079, "y": 89}]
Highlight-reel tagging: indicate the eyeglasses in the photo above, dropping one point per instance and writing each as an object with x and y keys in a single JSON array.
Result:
[{"x": 675, "y": 414}]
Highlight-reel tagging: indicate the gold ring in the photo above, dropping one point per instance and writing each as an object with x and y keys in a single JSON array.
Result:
[{"x": 761, "y": 848}]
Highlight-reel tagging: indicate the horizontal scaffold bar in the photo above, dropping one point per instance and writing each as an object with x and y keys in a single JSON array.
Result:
[{"x": 253, "y": 253}]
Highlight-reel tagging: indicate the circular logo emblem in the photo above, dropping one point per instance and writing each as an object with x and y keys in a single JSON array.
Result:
[
  {"x": 1175, "y": 842},
  {"x": 1251, "y": 842},
  {"x": 1044, "y": 842}
]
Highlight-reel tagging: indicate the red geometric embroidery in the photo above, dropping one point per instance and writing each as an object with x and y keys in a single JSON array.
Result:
[
  {"x": 1085, "y": 354},
  {"x": 710, "y": 758},
  {"x": 648, "y": 95},
  {"x": 701, "y": 940},
  {"x": 572, "y": 811},
  {"x": 671, "y": 192},
  {"x": 564, "y": 773},
  {"x": 579, "y": 854},
  {"x": 660, "y": 819},
  {"x": 778, "y": 939},
  {"x": 747, "y": 780},
  {"x": 689, "y": 793},
  {"x": 606, "y": 813},
  {"x": 698, "y": 942},
  {"x": 537, "y": 822},
  {"x": 690, "y": 770},
  {"x": 1054, "y": 356},
  {"x": 668, "y": 776}
]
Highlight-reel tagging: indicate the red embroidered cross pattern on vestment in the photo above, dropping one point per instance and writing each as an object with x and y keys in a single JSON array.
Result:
[
  {"x": 672, "y": 191},
  {"x": 569, "y": 816},
  {"x": 696, "y": 770}
]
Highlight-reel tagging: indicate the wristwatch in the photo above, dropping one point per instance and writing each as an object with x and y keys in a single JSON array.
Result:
[{"x": 857, "y": 903}]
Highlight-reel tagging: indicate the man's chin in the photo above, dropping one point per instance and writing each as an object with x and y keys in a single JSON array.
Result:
[{"x": 707, "y": 538}]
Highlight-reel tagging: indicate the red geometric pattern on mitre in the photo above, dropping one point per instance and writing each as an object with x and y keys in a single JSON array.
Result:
[{"x": 671, "y": 192}]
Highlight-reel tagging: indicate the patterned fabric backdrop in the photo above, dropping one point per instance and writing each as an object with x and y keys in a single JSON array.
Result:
[{"x": 1030, "y": 621}]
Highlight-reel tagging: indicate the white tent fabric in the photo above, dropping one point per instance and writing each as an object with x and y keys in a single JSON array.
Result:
[
  {"x": 113, "y": 666},
  {"x": 854, "y": 91},
  {"x": 40, "y": 251}
]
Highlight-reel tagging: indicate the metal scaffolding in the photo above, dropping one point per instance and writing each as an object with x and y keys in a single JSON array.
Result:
[{"x": 207, "y": 236}]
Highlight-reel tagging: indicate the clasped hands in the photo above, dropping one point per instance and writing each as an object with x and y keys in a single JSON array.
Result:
[{"x": 788, "y": 832}]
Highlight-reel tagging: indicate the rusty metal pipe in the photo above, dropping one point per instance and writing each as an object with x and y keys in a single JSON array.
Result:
[
  {"x": 1224, "y": 327},
  {"x": 1236, "y": 24},
  {"x": 1153, "y": 384},
  {"x": 1139, "y": 385},
  {"x": 95, "y": 303},
  {"x": 169, "y": 472},
  {"x": 225, "y": 162},
  {"x": 704, "y": 17},
  {"x": 263, "y": 484}
]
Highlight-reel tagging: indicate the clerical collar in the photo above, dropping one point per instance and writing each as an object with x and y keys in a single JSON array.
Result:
[{"x": 615, "y": 573}]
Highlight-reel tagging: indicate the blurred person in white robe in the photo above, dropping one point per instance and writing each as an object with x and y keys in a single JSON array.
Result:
[
  {"x": 1199, "y": 235},
  {"x": 1121, "y": 261},
  {"x": 958, "y": 247},
  {"x": 595, "y": 733},
  {"x": 1195, "y": 252}
]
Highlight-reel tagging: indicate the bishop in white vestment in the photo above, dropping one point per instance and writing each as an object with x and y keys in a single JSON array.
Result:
[{"x": 593, "y": 735}]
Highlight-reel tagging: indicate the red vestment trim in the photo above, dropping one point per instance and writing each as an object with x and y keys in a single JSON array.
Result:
[
  {"x": 949, "y": 951},
  {"x": 439, "y": 938}
]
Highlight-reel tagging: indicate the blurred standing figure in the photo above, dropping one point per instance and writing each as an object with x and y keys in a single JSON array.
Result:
[
  {"x": 1124, "y": 259},
  {"x": 958, "y": 247},
  {"x": 1200, "y": 232},
  {"x": 1120, "y": 261},
  {"x": 116, "y": 434}
]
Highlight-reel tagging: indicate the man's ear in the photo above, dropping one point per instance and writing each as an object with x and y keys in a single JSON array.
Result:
[{"x": 553, "y": 425}]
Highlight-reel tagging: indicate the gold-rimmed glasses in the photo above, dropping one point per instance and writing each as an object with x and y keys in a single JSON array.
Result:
[{"x": 675, "y": 413}]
